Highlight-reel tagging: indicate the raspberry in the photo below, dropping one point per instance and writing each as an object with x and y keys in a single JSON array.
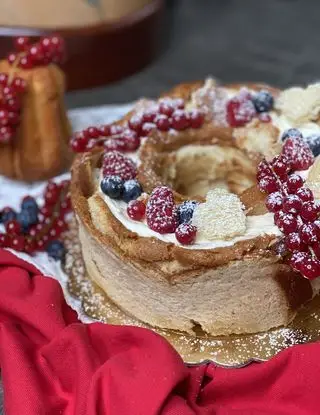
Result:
[
  {"x": 116, "y": 164},
  {"x": 186, "y": 233},
  {"x": 298, "y": 153},
  {"x": 240, "y": 110},
  {"x": 161, "y": 212},
  {"x": 274, "y": 202}
]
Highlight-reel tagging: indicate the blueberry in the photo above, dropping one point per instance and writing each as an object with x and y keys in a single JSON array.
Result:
[
  {"x": 29, "y": 203},
  {"x": 291, "y": 133},
  {"x": 313, "y": 142},
  {"x": 56, "y": 250},
  {"x": 185, "y": 211},
  {"x": 263, "y": 101},
  {"x": 8, "y": 214},
  {"x": 112, "y": 186},
  {"x": 27, "y": 218},
  {"x": 132, "y": 190}
]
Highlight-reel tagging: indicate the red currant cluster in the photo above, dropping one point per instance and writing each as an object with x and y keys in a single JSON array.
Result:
[
  {"x": 295, "y": 213},
  {"x": 33, "y": 229},
  {"x": 245, "y": 106},
  {"x": 49, "y": 49},
  {"x": 11, "y": 91},
  {"x": 167, "y": 114}
]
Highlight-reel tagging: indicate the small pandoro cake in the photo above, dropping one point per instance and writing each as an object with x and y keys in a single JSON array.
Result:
[
  {"x": 34, "y": 128},
  {"x": 197, "y": 211}
]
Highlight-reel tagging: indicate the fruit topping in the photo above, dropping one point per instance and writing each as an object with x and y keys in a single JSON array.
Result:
[
  {"x": 116, "y": 164},
  {"x": 8, "y": 214},
  {"x": 186, "y": 233},
  {"x": 136, "y": 209},
  {"x": 112, "y": 186},
  {"x": 313, "y": 142},
  {"x": 131, "y": 190},
  {"x": 185, "y": 210},
  {"x": 56, "y": 250},
  {"x": 264, "y": 117},
  {"x": 220, "y": 217},
  {"x": 180, "y": 120},
  {"x": 295, "y": 211},
  {"x": 263, "y": 101},
  {"x": 240, "y": 110},
  {"x": 298, "y": 153},
  {"x": 293, "y": 133},
  {"x": 161, "y": 212}
]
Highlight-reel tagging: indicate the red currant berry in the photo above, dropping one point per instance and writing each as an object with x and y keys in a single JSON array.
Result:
[
  {"x": 26, "y": 62},
  {"x": 298, "y": 258},
  {"x": 310, "y": 268},
  {"x": 316, "y": 249},
  {"x": 287, "y": 223},
  {"x": 196, "y": 118},
  {"x": 13, "y": 104},
  {"x": 305, "y": 194},
  {"x": 268, "y": 184},
  {"x": 46, "y": 211},
  {"x": 294, "y": 183},
  {"x": 30, "y": 246},
  {"x": 4, "y": 117},
  {"x": 21, "y": 43},
  {"x": 18, "y": 242},
  {"x": 79, "y": 143},
  {"x": 149, "y": 116},
  {"x": 36, "y": 52},
  {"x": 40, "y": 245},
  {"x": 147, "y": 128},
  {"x": 51, "y": 196},
  {"x": 166, "y": 108},
  {"x": 14, "y": 118},
  {"x": 114, "y": 144},
  {"x": 3, "y": 79},
  {"x": 116, "y": 129},
  {"x": 278, "y": 215},
  {"x": 178, "y": 103},
  {"x": 293, "y": 242},
  {"x": 280, "y": 165},
  {"x": 104, "y": 130},
  {"x": 131, "y": 140},
  {"x": 92, "y": 132},
  {"x": 186, "y": 233},
  {"x": 180, "y": 120},
  {"x": 162, "y": 122},
  {"x": 292, "y": 204},
  {"x": 4, "y": 240},
  {"x": 264, "y": 169},
  {"x": 309, "y": 211},
  {"x": 13, "y": 227},
  {"x": 274, "y": 202},
  {"x": 136, "y": 209},
  {"x": 135, "y": 123},
  {"x": 309, "y": 233},
  {"x": 6, "y": 134},
  {"x": 12, "y": 58}
]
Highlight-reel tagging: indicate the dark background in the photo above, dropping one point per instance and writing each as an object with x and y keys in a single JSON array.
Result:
[{"x": 275, "y": 41}]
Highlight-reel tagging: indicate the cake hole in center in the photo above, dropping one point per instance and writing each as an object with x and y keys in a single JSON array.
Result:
[{"x": 194, "y": 170}]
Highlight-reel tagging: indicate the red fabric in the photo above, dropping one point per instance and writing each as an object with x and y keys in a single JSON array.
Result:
[{"x": 53, "y": 364}]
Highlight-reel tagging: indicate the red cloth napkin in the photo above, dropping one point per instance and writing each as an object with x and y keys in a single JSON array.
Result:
[{"x": 53, "y": 364}]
